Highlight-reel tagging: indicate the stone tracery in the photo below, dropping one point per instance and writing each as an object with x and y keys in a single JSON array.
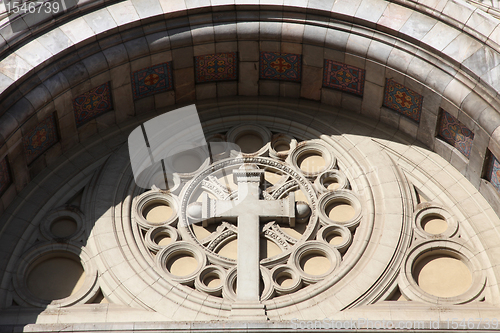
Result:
[{"x": 306, "y": 248}]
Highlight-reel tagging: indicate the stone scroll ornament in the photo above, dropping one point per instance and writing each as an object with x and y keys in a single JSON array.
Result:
[{"x": 245, "y": 223}]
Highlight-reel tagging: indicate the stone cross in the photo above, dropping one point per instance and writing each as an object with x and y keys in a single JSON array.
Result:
[{"x": 248, "y": 210}]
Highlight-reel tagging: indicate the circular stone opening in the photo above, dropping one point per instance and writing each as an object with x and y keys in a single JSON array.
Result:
[
  {"x": 249, "y": 142},
  {"x": 212, "y": 280},
  {"x": 331, "y": 184},
  {"x": 434, "y": 224},
  {"x": 55, "y": 278},
  {"x": 182, "y": 264},
  {"x": 334, "y": 238},
  {"x": 281, "y": 146},
  {"x": 340, "y": 211},
  {"x": 314, "y": 263},
  {"x": 163, "y": 239},
  {"x": 187, "y": 162},
  {"x": 442, "y": 275},
  {"x": 311, "y": 162},
  {"x": 63, "y": 227},
  {"x": 284, "y": 280},
  {"x": 157, "y": 212}
]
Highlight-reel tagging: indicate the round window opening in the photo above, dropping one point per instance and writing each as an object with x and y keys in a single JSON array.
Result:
[
  {"x": 442, "y": 275},
  {"x": 56, "y": 277},
  {"x": 63, "y": 227},
  {"x": 157, "y": 212}
]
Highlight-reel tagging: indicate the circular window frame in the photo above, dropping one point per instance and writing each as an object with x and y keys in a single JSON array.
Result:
[
  {"x": 319, "y": 182},
  {"x": 312, "y": 147},
  {"x": 229, "y": 293},
  {"x": 313, "y": 247},
  {"x": 430, "y": 211},
  {"x": 207, "y": 271},
  {"x": 282, "y": 138},
  {"x": 265, "y": 134},
  {"x": 87, "y": 291},
  {"x": 344, "y": 196},
  {"x": 341, "y": 230},
  {"x": 451, "y": 248},
  {"x": 152, "y": 197},
  {"x": 180, "y": 248},
  {"x": 280, "y": 270},
  {"x": 71, "y": 213},
  {"x": 155, "y": 232}
]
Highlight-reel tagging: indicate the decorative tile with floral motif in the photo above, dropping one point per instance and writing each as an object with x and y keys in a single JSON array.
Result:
[
  {"x": 216, "y": 67},
  {"x": 280, "y": 66},
  {"x": 493, "y": 174},
  {"x": 92, "y": 104},
  {"x": 41, "y": 138},
  {"x": 152, "y": 80},
  {"x": 343, "y": 77},
  {"x": 403, "y": 100},
  {"x": 455, "y": 133}
]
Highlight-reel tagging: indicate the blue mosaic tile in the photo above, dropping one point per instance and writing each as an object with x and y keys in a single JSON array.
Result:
[
  {"x": 92, "y": 104},
  {"x": 343, "y": 77},
  {"x": 152, "y": 80},
  {"x": 41, "y": 138},
  {"x": 280, "y": 66},
  {"x": 455, "y": 133},
  {"x": 216, "y": 67},
  {"x": 403, "y": 100}
]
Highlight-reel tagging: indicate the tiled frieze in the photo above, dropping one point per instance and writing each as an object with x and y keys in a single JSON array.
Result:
[
  {"x": 493, "y": 173},
  {"x": 455, "y": 133},
  {"x": 152, "y": 80},
  {"x": 92, "y": 104},
  {"x": 343, "y": 77},
  {"x": 41, "y": 138},
  {"x": 403, "y": 100},
  {"x": 216, "y": 67},
  {"x": 280, "y": 66}
]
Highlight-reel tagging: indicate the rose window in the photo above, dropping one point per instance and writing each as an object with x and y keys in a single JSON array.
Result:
[{"x": 281, "y": 213}]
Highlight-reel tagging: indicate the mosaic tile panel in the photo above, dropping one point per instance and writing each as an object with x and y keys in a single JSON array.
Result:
[
  {"x": 5, "y": 179},
  {"x": 41, "y": 138},
  {"x": 92, "y": 104},
  {"x": 403, "y": 100},
  {"x": 216, "y": 67},
  {"x": 493, "y": 174},
  {"x": 455, "y": 133},
  {"x": 280, "y": 66},
  {"x": 152, "y": 80},
  {"x": 343, "y": 77}
]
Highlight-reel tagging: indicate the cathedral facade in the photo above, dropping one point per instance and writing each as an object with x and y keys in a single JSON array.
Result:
[{"x": 348, "y": 176}]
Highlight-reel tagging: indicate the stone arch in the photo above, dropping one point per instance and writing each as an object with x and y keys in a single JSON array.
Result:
[{"x": 435, "y": 49}]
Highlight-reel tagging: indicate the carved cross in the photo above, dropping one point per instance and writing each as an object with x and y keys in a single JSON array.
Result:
[{"x": 249, "y": 209}]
